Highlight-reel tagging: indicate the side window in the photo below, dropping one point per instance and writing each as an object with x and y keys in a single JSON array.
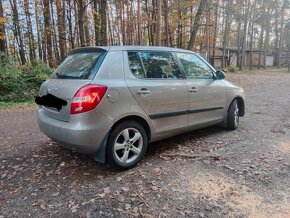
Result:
[
  {"x": 194, "y": 67},
  {"x": 153, "y": 65},
  {"x": 135, "y": 65}
]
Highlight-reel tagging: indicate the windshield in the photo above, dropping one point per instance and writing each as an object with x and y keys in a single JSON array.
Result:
[{"x": 80, "y": 66}]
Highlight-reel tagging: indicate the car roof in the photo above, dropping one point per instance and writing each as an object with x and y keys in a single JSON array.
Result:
[{"x": 128, "y": 48}]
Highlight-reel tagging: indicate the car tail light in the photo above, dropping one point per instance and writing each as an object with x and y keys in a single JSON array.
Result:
[{"x": 87, "y": 98}]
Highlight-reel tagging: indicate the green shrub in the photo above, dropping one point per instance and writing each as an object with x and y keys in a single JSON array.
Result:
[
  {"x": 35, "y": 75},
  {"x": 232, "y": 68},
  {"x": 20, "y": 83},
  {"x": 11, "y": 83}
]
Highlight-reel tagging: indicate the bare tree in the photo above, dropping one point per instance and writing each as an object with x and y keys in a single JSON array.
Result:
[
  {"x": 103, "y": 15},
  {"x": 2, "y": 29},
  {"x": 40, "y": 46},
  {"x": 17, "y": 31},
  {"x": 158, "y": 23},
  {"x": 228, "y": 21},
  {"x": 61, "y": 24},
  {"x": 31, "y": 40},
  {"x": 242, "y": 62},
  {"x": 81, "y": 22},
  {"x": 196, "y": 24},
  {"x": 48, "y": 32}
]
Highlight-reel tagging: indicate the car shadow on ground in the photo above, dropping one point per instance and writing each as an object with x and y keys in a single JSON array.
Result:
[
  {"x": 51, "y": 162},
  {"x": 171, "y": 143}
]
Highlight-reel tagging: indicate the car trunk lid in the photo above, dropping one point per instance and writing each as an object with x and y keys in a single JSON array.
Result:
[{"x": 62, "y": 89}]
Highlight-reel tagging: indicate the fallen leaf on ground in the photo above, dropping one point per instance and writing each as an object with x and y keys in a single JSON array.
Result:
[
  {"x": 74, "y": 208},
  {"x": 146, "y": 215},
  {"x": 107, "y": 190},
  {"x": 74, "y": 183},
  {"x": 125, "y": 189},
  {"x": 102, "y": 195},
  {"x": 55, "y": 194},
  {"x": 127, "y": 206},
  {"x": 41, "y": 203},
  {"x": 121, "y": 198}
]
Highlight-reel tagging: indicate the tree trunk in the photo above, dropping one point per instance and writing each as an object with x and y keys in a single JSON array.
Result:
[
  {"x": 2, "y": 30},
  {"x": 196, "y": 24},
  {"x": 40, "y": 51},
  {"x": 31, "y": 40},
  {"x": 128, "y": 24},
  {"x": 54, "y": 38},
  {"x": 262, "y": 36},
  {"x": 48, "y": 31},
  {"x": 103, "y": 15},
  {"x": 86, "y": 24},
  {"x": 267, "y": 36},
  {"x": 81, "y": 22},
  {"x": 239, "y": 33},
  {"x": 17, "y": 31},
  {"x": 97, "y": 23},
  {"x": 215, "y": 32},
  {"x": 158, "y": 23},
  {"x": 226, "y": 33},
  {"x": 208, "y": 31},
  {"x": 288, "y": 54},
  {"x": 281, "y": 32},
  {"x": 61, "y": 25},
  {"x": 179, "y": 27},
  {"x": 242, "y": 63},
  {"x": 287, "y": 33},
  {"x": 139, "y": 22},
  {"x": 252, "y": 38},
  {"x": 111, "y": 30},
  {"x": 166, "y": 22},
  {"x": 276, "y": 57}
]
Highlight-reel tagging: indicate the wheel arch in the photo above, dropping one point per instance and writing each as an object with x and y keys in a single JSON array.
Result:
[
  {"x": 241, "y": 105},
  {"x": 138, "y": 119},
  {"x": 100, "y": 156}
]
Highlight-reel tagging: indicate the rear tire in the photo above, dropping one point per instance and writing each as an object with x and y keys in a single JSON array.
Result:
[
  {"x": 233, "y": 117},
  {"x": 127, "y": 145}
]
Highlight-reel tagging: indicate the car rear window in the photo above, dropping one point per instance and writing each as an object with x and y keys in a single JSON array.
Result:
[{"x": 80, "y": 66}]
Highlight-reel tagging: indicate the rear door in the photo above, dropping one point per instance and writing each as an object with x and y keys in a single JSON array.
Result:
[
  {"x": 157, "y": 84},
  {"x": 207, "y": 96}
]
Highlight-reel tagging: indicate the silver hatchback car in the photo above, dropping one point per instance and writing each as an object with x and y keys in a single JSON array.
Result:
[{"x": 112, "y": 101}]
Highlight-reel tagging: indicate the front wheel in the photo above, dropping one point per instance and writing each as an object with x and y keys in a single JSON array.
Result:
[
  {"x": 233, "y": 116},
  {"x": 127, "y": 145}
]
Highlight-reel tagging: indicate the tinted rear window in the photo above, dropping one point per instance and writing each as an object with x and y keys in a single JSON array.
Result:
[{"x": 80, "y": 66}]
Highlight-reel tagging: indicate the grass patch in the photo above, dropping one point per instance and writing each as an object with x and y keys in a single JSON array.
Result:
[
  {"x": 262, "y": 70},
  {"x": 16, "y": 104}
]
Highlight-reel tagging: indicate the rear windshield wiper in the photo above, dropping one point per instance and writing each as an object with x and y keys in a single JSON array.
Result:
[{"x": 63, "y": 76}]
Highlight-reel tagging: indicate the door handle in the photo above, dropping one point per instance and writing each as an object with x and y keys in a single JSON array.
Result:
[
  {"x": 143, "y": 91},
  {"x": 193, "y": 89}
]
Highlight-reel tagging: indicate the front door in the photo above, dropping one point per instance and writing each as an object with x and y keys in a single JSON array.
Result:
[
  {"x": 157, "y": 84},
  {"x": 207, "y": 96}
]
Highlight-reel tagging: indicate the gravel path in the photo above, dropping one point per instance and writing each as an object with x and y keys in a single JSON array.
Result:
[{"x": 243, "y": 173}]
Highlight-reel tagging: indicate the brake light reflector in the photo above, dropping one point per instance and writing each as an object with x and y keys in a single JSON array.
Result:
[{"x": 87, "y": 98}]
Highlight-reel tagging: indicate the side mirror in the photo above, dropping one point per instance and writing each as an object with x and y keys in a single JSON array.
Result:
[{"x": 219, "y": 75}]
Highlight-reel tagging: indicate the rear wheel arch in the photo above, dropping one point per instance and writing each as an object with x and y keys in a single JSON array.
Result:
[
  {"x": 137, "y": 119},
  {"x": 100, "y": 156},
  {"x": 127, "y": 143}
]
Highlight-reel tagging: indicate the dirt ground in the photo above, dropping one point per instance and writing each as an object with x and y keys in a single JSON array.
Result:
[{"x": 242, "y": 173}]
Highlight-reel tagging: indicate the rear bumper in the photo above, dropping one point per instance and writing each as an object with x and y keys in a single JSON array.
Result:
[{"x": 83, "y": 133}]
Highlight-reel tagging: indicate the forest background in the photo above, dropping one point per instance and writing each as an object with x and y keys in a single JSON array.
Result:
[{"x": 35, "y": 35}]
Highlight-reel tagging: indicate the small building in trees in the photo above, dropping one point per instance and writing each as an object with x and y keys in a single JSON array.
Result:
[{"x": 233, "y": 54}]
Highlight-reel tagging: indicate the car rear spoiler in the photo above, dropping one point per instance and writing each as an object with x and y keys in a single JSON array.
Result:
[{"x": 88, "y": 49}]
